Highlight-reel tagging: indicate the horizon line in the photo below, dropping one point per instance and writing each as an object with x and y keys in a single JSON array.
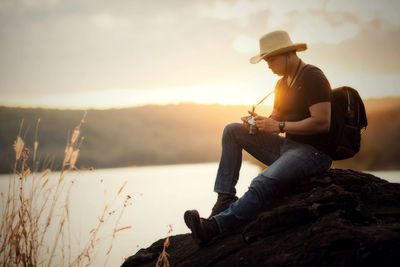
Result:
[{"x": 146, "y": 104}]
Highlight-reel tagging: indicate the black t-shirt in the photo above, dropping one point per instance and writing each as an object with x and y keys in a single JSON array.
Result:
[{"x": 293, "y": 103}]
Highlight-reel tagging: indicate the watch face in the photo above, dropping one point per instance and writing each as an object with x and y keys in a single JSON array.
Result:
[{"x": 281, "y": 126}]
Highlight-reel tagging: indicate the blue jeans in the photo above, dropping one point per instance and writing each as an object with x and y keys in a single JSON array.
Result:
[{"x": 288, "y": 162}]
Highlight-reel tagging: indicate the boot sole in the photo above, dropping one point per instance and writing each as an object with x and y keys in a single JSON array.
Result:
[{"x": 192, "y": 220}]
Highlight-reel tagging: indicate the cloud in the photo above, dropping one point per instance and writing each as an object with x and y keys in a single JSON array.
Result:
[
  {"x": 373, "y": 50},
  {"x": 35, "y": 3},
  {"x": 313, "y": 25},
  {"x": 107, "y": 21},
  {"x": 387, "y": 10},
  {"x": 365, "y": 10},
  {"x": 233, "y": 9},
  {"x": 244, "y": 44},
  {"x": 74, "y": 46}
]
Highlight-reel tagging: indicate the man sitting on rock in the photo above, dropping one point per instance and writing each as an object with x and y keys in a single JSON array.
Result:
[{"x": 302, "y": 110}]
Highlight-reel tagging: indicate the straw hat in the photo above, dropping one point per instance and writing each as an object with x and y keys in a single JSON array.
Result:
[{"x": 275, "y": 43}]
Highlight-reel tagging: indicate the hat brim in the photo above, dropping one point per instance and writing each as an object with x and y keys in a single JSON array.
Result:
[{"x": 295, "y": 47}]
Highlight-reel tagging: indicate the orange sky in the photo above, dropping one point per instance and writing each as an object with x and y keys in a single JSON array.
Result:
[{"x": 103, "y": 54}]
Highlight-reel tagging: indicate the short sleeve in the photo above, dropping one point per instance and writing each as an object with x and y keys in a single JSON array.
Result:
[{"x": 316, "y": 87}]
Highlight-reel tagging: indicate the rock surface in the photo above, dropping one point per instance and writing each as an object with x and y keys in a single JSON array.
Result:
[{"x": 343, "y": 218}]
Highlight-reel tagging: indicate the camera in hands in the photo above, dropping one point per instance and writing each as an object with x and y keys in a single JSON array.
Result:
[{"x": 253, "y": 129}]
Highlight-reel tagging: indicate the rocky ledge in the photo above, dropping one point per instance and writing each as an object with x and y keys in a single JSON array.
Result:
[{"x": 343, "y": 218}]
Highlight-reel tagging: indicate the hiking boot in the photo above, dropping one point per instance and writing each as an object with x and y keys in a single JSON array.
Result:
[
  {"x": 223, "y": 203},
  {"x": 203, "y": 230}
]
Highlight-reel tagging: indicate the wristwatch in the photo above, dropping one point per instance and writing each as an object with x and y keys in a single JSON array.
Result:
[{"x": 281, "y": 126}]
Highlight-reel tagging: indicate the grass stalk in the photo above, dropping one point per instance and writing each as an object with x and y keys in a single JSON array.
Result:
[{"x": 29, "y": 210}]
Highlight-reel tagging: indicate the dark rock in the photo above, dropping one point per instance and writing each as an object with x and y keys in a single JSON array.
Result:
[{"x": 343, "y": 218}]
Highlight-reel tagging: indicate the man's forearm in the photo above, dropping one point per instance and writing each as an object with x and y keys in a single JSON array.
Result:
[
  {"x": 307, "y": 126},
  {"x": 318, "y": 122}
]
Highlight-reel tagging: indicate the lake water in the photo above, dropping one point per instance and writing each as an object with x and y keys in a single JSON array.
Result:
[{"x": 159, "y": 197}]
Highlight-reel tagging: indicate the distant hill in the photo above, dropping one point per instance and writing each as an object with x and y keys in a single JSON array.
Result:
[
  {"x": 147, "y": 135},
  {"x": 170, "y": 134}
]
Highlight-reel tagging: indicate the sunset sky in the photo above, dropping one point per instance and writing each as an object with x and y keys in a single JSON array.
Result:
[{"x": 98, "y": 53}]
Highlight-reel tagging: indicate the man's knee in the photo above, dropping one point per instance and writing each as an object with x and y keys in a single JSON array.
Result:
[
  {"x": 264, "y": 187},
  {"x": 233, "y": 128}
]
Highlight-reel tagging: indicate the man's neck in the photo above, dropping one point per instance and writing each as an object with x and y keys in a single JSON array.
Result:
[
  {"x": 293, "y": 66},
  {"x": 294, "y": 69}
]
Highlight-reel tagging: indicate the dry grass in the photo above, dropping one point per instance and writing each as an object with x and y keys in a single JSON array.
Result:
[
  {"x": 162, "y": 260},
  {"x": 35, "y": 223}
]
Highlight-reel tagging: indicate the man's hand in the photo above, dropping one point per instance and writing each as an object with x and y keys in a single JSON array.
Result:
[
  {"x": 262, "y": 123},
  {"x": 266, "y": 124},
  {"x": 245, "y": 119},
  {"x": 245, "y": 123}
]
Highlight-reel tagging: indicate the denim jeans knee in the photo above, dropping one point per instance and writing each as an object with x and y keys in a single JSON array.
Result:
[
  {"x": 233, "y": 128},
  {"x": 264, "y": 187}
]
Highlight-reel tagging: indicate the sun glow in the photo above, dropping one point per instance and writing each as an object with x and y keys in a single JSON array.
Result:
[
  {"x": 233, "y": 93},
  {"x": 270, "y": 100},
  {"x": 116, "y": 58}
]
